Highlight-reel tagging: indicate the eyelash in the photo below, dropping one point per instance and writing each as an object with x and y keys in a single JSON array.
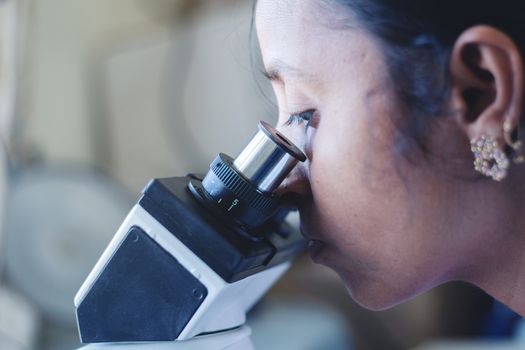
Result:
[{"x": 301, "y": 117}]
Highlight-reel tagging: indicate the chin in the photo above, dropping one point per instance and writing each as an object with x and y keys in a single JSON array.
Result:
[
  {"x": 373, "y": 302},
  {"x": 375, "y": 296}
]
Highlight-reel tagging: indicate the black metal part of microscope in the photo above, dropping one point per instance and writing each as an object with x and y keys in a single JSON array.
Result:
[{"x": 237, "y": 215}]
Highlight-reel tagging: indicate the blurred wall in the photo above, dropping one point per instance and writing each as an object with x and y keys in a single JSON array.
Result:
[
  {"x": 176, "y": 98},
  {"x": 66, "y": 37},
  {"x": 137, "y": 89}
]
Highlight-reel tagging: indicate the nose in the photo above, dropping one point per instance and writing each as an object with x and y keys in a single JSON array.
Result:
[{"x": 297, "y": 182}]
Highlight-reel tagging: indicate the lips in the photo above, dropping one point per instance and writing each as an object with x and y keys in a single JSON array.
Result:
[
  {"x": 315, "y": 245},
  {"x": 311, "y": 232},
  {"x": 308, "y": 230},
  {"x": 296, "y": 201}
]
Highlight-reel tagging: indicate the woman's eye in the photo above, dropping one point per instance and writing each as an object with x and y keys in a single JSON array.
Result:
[{"x": 302, "y": 117}]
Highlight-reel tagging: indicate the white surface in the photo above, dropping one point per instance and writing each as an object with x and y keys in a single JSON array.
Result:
[
  {"x": 225, "y": 305},
  {"x": 237, "y": 339}
]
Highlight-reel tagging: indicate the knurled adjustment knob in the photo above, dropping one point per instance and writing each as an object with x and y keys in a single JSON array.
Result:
[{"x": 236, "y": 195}]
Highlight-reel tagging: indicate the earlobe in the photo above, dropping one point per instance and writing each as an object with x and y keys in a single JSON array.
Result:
[{"x": 487, "y": 82}]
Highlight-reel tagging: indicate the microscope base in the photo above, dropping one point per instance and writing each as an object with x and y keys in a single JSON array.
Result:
[{"x": 236, "y": 339}]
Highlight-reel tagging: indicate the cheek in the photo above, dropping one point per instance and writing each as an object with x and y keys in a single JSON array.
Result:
[
  {"x": 359, "y": 201},
  {"x": 379, "y": 237}
]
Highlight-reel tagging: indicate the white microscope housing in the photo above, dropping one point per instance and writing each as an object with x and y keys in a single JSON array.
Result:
[{"x": 195, "y": 254}]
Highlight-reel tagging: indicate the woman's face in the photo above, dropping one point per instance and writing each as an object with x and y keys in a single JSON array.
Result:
[{"x": 374, "y": 217}]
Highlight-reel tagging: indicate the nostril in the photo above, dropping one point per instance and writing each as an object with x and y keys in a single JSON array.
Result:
[
  {"x": 286, "y": 186},
  {"x": 292, "y": 188},
  {"x": 293, "y": 199},
  {"x": 297, "y": 181}
]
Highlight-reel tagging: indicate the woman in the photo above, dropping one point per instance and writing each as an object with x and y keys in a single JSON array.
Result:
[{"x": 409, "y": 112}]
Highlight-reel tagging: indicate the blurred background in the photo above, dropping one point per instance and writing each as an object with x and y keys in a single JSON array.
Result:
[{"x": 96, "y": 98}]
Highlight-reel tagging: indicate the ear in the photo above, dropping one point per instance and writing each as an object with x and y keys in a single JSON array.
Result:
[{"x": 487, "y": 82}]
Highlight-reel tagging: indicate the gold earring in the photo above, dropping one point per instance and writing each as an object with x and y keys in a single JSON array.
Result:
[
  {"x": 489, "y": 158},
  {"x": 512, "y": 139}
]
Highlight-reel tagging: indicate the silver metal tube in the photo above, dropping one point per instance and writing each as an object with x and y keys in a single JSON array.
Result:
[{"x": 268, "y": 158}]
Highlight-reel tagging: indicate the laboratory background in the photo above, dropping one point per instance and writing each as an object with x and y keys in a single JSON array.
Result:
[{"x": 96, "y": 98}]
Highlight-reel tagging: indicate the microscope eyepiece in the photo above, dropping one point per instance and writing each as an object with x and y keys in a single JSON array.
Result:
[
  {"x": 242, "y": 189},
  {"x": 268, "y": 158}
]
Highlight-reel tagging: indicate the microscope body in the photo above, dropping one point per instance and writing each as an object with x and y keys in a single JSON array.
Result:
[
  {"x": 195, "y": 254},
  {"x": 173, "y": 271}
]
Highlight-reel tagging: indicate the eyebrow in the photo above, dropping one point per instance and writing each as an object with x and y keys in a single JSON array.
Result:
[{"x": 277, "y": 69}]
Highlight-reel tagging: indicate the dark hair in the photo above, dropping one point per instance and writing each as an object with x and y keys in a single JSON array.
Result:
[{"x": 417, "y": 37}]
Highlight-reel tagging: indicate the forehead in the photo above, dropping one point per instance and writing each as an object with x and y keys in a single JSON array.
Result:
[
  {"x": 304, "y": 34},
  {"x": 288, "y": 19}
]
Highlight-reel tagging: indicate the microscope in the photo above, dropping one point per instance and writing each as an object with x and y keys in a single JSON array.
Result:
[{"x": 194, "y": 255}]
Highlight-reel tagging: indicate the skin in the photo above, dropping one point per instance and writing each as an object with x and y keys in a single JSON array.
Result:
[{"x": 394, "y": 226}]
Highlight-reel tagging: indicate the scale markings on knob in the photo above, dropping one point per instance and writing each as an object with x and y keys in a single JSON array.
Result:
[{"x": 234, "y": 203}]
